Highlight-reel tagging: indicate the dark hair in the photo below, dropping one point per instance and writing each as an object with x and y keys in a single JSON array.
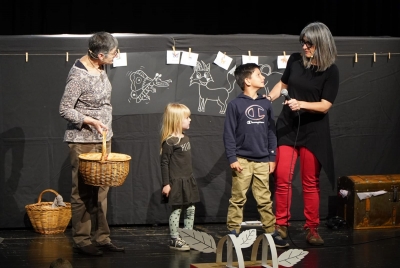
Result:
[
  {"x": 61, "y": 263},
  {"x": 101, "y": 42},
  {"x": 325, "y": 49},
  {"x": 244, "y": 71}
]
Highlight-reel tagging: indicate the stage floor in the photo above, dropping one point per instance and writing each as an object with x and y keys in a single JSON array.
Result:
[{"x": 146, "y": 246}]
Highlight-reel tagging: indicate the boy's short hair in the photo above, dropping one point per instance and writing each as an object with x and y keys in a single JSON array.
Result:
[
  {"x": 61, "y": 263},
  {"x": 244, "y": 71}
]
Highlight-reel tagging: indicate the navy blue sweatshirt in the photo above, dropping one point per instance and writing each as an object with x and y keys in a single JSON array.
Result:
[{"x": 249, "y": 129}]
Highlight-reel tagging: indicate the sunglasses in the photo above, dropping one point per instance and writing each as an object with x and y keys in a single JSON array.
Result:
[{"x": 307, "y": 43}]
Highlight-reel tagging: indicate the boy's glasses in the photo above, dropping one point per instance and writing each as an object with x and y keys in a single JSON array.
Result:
[{"x": 307, "y": 43}]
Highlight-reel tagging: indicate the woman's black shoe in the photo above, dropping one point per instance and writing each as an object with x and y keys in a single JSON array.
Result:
[
  {"x": 110, "y": 247},
  {"x": 88, "y": 250}
]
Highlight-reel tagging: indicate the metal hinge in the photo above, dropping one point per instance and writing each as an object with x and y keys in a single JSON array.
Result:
[{"x": 395, "y": 193}]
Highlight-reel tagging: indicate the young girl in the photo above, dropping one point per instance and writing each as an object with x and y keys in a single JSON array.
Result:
[{"x": 179, "y": 186}]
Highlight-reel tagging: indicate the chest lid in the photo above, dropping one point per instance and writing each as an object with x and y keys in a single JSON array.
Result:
[{"x": 368, "y": 183}]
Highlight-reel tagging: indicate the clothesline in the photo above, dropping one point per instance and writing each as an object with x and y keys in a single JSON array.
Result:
[{"x": 67, "y": 54}]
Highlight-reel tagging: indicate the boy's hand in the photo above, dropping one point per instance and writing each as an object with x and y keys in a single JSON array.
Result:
[
  {"x": 236, "y": 166},
  {"x": 272, "y": 166}
]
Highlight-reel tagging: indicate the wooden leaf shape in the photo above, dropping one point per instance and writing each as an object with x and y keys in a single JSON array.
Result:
[
  {"x": 197, "y": 240},
  {"x": 291, "y": 257},
  {"x": 247, "y": 238}
]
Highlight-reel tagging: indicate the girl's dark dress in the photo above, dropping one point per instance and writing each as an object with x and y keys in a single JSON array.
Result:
[{"x": 176, "y": 170}]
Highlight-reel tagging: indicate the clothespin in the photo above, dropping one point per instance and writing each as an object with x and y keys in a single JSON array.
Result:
[
  {"x": 389, "y": 56},
  {"x": 190, "y": 51},
  {"x": 374, "y": 57},
  {"x": 284, "y": 55},
  {"x": 173, "y": 48},
  {"x": 355, "y": 57},
  {"x": 249, "y": 53},
  {"x": 66, "y": 56},
  {"x": 118, "y": 51},
  {"x": 223, "y": 58},
  {"x": 26, "y": 56}
]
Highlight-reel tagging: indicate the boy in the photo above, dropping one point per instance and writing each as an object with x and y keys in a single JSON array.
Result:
[{"x": 250, "y": 144}]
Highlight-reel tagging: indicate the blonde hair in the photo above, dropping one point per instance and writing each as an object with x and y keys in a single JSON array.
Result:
[{"x": 174, "y": 114}]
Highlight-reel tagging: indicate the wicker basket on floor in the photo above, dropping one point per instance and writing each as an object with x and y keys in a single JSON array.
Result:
[
  {"x": 102, "y": 169},
  {"x": 48, "y": 220}
]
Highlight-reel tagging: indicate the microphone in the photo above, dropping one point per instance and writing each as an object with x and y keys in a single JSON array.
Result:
[{"x": 285, "y": 94}]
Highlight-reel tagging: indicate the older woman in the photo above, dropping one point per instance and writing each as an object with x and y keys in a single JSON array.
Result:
[{"x": 86, "y": 106}]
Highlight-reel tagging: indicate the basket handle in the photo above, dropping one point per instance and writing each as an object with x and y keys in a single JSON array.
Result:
[
  {"x": 104, "y": 148},
  {"x": 44, "y": 191}
]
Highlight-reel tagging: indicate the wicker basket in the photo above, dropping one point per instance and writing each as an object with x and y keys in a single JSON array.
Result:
[
  {"x": 100, "y": 169},
  {"x": 48, "y": 220}
]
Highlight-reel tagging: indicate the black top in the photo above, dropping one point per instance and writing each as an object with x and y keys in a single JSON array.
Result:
[
  {"x": 176, "y": 159},
  {"x": 314, "y": 133},
  {"x": 176, "y": 170}
]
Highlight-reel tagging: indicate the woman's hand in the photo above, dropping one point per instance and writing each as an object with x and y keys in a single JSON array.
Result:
[
  {"x": 322, "y": 106},
  {"x": 99, "y": 126},
  {"x": 293, "y": 104}
]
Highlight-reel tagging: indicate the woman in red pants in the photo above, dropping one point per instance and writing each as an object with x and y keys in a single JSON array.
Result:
[{"x": 310, "y": 85}]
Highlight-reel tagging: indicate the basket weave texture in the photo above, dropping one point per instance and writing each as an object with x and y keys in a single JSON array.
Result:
[
  {"x": 48, "y": 220},
  {"x": 102, "y": 169}
]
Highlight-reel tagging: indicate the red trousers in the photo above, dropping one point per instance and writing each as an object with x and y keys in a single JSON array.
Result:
[{"x": 309, "y": 172}]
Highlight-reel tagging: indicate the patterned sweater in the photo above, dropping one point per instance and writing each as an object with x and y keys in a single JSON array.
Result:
[{"x": 86, "y": 95}]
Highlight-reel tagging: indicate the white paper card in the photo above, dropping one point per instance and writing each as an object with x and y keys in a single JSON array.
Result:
[
  {"x": 366, "y": 195},
  {"x": 223, "y": 60},
  {"x": 282, "y": 61},
  {"x": 189, "y": 58},
  {"x": 120, "y": 60},
  {"x": 173, "y": 57},
  {"x": 249, "y": 59}
]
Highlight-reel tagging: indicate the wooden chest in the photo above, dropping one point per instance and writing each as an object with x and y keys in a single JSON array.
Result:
[{"x": 375, "y": 211}]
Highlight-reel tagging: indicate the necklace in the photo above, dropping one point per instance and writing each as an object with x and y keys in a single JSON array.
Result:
[{"x": 97, "y": 69}]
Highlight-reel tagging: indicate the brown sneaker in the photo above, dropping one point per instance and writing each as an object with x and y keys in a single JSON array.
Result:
[
  {"x": 313, "y": 237},
  {"x": 282, "y": 230}
]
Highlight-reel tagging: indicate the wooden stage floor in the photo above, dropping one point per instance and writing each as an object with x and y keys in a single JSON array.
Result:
[{"x": 146, "y": 246}]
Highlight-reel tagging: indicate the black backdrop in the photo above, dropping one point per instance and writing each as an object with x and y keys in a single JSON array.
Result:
[
  {"x": 343, "y": 17},
  {"x": 364, "y": 119}
]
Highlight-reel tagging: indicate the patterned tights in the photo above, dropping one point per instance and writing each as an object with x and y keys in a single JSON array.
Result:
[{"x": 188, "y": 219}]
